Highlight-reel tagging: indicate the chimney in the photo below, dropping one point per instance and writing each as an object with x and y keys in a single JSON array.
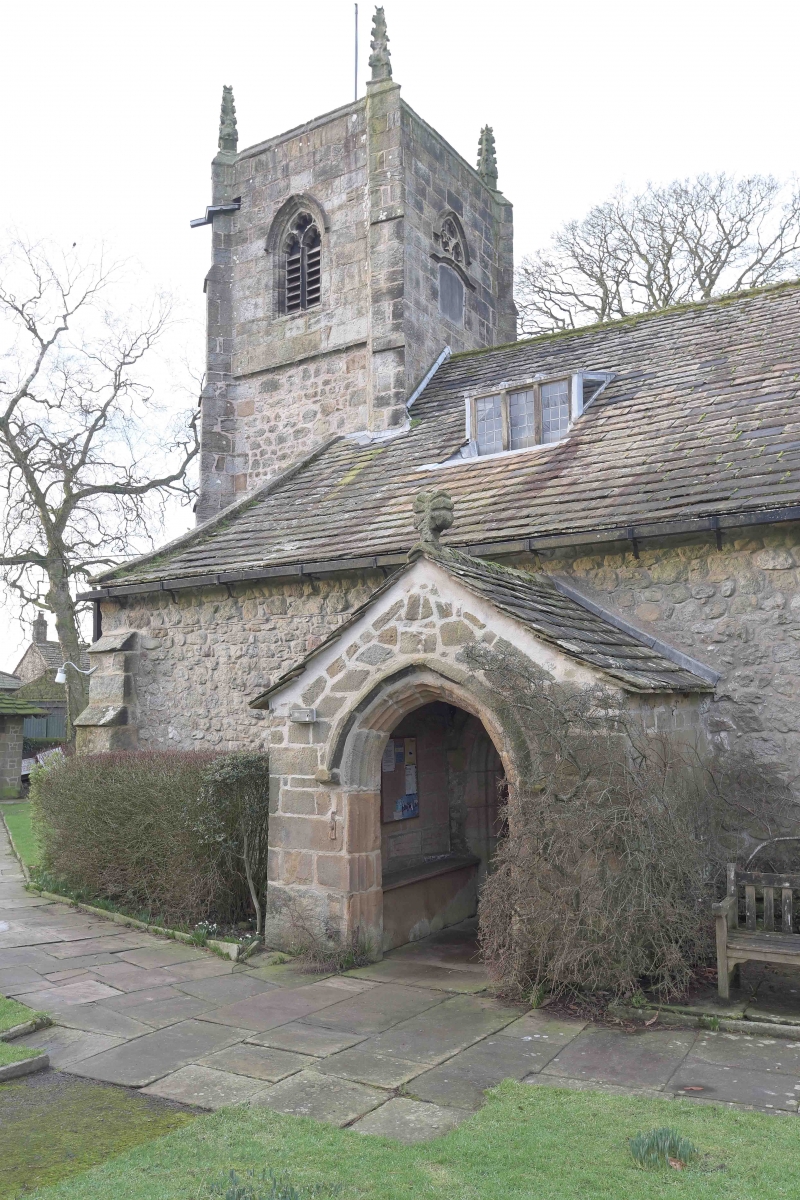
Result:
[{"x": 40, "y": 628}]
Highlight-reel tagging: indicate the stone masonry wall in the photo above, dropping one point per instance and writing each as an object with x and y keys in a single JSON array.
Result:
[
  {"x": 438, "y": 180},
  {"x": 10, "y": 756},
  {"x": 205, "y": 654},
  {"x": 736, "y": 609}
]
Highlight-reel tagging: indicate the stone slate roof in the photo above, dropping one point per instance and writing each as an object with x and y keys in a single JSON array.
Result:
[
  {"x": 560, "y": 620},
  {"x": 9, "y": 682},
  {"x": 701, "y": 421},
  {"x": 11, "y": 705}
]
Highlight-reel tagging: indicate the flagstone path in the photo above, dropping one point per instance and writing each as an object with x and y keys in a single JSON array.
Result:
[{"x": 403, "y": 1048}]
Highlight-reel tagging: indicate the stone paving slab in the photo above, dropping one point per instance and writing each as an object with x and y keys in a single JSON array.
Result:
[
  {"x": 168, "y": 954},
  {"x": 287, "y": 975},
  {"x": 644, "y": 1060},
  {"x": 259, "y": 1062},
  {"x": 537, "y": 1025},
  {"x": 758, "y": 1089},
  {"x": 752, "y": 1053},
  {"x": 78, "y": 962},
  {"x": 425, "y": 975},
  {"x": 66, "y": 1046},
  {"x": 438, "y": 1034},
  {"x": 276, "y": 1007},
  {"x": 376, "y": 1009},
  {"x": 112, "y": 943},
  {"x": 95, "y": 1018},
  {"x": 323, "y": 1097},
  {"x": 410, "y": 1121},
  {"x": 306, "y": 1039},
  {"x": 461, "y": 1081},
  {"x": 158, "y": 995},
  {"x": 159, "y": 1014},
  {"x": 363, "y": 1065},
  {"x": 125, "y": 977},
  {"x": 18, "y": 979},
  {"x": 204, "y": 1088},
  {"x": 226, "y": 989},
  {"x": 146, "y": 1059},
  {"x": 208, "y": 968},
  {"x": 84, "y": 991}
]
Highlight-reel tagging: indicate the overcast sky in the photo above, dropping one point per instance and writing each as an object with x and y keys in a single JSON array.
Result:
[{"x": 111, "y": 110}]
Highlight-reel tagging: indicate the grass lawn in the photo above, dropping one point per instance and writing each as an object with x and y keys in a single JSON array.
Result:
[
  {"x": 18, "y": 819},
  {"x": 12, "y": 1013},
  {"x": 526, "y": 1144},
  {"x": 10, "y": 1052}
]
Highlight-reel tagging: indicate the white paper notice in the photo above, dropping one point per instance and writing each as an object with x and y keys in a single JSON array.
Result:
[
  {"x": 411, "y": 780},
  {"x": 387, "y": 762}
]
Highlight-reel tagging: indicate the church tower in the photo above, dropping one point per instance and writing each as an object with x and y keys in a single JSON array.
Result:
[{"x": 347, "y": 254}]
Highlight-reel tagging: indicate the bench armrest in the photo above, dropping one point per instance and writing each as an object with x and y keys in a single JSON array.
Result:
[{"x": 726, "y": 911}]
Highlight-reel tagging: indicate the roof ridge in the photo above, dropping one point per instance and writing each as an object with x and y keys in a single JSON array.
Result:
[{"x": 633, "y": 318}]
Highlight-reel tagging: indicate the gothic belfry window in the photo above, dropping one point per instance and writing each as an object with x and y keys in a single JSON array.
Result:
[{"x": 303, "y": 264}]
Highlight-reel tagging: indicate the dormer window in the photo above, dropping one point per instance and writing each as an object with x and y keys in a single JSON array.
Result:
[
  {"x": 532, "y": 413},
  {"x": 303, "y": 265}
]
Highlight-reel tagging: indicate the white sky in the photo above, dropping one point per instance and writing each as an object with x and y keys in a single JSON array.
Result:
[{"x": 111, "y": 110}]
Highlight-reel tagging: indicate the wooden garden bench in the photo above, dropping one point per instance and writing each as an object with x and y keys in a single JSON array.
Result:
[{"x": 768, "y": 932}]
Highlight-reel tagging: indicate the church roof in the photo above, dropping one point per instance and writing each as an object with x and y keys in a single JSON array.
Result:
[
  {"x": 699, "y": 428},
  {"x": 589, "y": 635}
]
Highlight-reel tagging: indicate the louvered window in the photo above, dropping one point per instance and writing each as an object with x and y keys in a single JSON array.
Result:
[{"x": 303, "y": 265}]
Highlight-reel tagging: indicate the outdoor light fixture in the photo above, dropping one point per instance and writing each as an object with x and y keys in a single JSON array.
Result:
[{"x": 61, "y": 673}]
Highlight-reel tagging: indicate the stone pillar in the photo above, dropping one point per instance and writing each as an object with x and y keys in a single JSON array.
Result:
[
  {"x": 386, "y": 250},
  {"x": 10, "y": 755},
  {"x": 222, "y": 473},
  {"x": 109, "y": 722}
]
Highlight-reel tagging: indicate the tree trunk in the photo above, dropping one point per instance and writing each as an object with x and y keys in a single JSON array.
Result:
[
  {"x": 60, "y": 602},
  {"x": 248, "y": 872}
]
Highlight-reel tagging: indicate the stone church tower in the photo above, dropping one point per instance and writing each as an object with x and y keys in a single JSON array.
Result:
[{"x": 347, "y": 254}]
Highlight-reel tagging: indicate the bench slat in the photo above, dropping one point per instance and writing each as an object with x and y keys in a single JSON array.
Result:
[
  {"x": 750, "y": 906},
  {"x": 786, "y": 899},
  {"x": 769, "y": 908},
  {"x": 786, "y": 943},
  {"x": 764, "y": 877}
]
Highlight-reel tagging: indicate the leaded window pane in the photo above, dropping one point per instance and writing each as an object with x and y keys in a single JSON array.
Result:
[
  {"x": 522, "y": 425},
  {"x": 489, "y": 419},
  {"x": 555, "y": 410}
]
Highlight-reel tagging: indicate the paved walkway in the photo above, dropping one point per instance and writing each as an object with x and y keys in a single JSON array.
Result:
[{"x": 403, "y": 1048}]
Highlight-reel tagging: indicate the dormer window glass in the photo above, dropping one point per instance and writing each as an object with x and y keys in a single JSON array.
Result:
[
  {"x": 555, "y": 410},
  {"x": 530, "y": 414}
]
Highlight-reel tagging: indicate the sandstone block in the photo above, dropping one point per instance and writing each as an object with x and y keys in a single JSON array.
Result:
[{"x": 456, "y": 633}]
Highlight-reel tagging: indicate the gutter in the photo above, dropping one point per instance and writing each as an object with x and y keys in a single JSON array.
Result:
[{"x": 633, "y": 534}]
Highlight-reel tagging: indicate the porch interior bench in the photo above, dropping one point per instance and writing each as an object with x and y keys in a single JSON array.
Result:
[{"x": 767, "y": 933}]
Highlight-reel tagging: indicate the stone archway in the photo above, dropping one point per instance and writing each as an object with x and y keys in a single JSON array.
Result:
[{"x": 425, "y": 894}]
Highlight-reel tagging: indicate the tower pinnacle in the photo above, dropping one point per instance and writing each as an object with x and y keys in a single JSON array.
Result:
[
  {"x": 380, "y": 59},
  {"x": 487, "y": 159},
  {"x": 228, "y": 136}
]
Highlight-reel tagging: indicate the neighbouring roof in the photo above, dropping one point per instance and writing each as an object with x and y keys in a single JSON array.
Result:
[
  {"x": 11, "y": 706},
  {"x": 560, "y": 620},
  {"x": 700, "y": 421},
  {"x": 52, "y": 657},
  {"x": 8, "y": 682}
]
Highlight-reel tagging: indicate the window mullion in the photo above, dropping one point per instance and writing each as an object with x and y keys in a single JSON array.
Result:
[
  {"x": 537, "y": 413},
  {"x": 506, "y": 420}
]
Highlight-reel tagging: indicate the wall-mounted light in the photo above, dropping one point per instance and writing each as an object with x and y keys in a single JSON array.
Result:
[{"x": 61, "y": 673}]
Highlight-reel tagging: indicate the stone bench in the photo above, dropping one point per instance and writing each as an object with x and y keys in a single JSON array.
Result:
[{"x": 767, "y": 932}]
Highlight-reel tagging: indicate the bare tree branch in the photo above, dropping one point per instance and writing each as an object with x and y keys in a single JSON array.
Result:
[
  {"x": 689, "y": 240},
  {"x": 85, "y": 467}
]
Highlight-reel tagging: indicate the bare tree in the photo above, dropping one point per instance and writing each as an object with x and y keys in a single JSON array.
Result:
[
  {"x": 689, "y": 240},
  {"x": 87, "y": 456}
]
